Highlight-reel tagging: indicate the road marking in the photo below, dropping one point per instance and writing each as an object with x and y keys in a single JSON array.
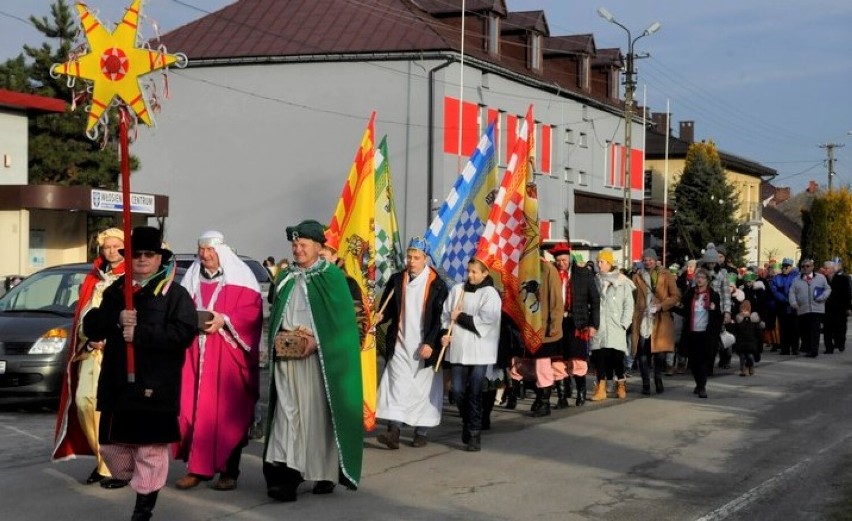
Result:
[
  {"x": 23, "y": 433},
  {"x": 755, "y": 493}
]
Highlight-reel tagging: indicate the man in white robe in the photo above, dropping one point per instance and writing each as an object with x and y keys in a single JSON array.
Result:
[{"x": 410, "y": 392}]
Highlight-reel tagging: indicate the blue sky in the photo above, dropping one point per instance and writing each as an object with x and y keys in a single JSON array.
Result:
[{"x": 767, "y": 80}]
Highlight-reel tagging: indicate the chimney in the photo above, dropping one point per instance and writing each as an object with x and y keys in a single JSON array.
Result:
[
  {"x": 659, "y": 119},
  {"x": 813, "y": 187},
  {"x": 782, "y": 194},
  {"x": 687, "y": 131}
]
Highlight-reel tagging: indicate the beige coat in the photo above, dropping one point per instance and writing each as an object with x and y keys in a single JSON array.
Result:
[
  {"x": 552, "y": 305},
  {"x": 667, "y": 297}
]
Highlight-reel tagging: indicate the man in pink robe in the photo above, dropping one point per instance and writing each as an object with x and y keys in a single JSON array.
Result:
[{"x": 220, "y": 376}]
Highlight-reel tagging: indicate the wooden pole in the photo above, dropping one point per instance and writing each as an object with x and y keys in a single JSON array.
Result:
[{"x": 450, "y": 333}]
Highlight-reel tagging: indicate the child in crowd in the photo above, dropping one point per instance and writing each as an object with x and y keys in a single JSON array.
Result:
[{"x": 747, "y": 329}]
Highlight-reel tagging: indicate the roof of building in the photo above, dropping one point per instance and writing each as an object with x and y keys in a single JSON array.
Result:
[
  {"x": 570, "y": 44},
  {"x": 260, "y": 28},
  {"x": 441, "y": 7},
  {"x": 783, "y": 223},
  {"x": 30, "y": 103},
  {"x": 655, "y": 148},
  {"x": 526, "y": 21},
  {"x": 607, "y": 57},
  {"x": 264, "y": 31}
]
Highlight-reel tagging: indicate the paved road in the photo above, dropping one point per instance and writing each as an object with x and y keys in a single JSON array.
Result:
[{"x": 772, "y": 446}]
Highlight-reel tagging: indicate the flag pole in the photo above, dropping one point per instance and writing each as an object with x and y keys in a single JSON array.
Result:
[
  {"x": 123, "y": 119},
  {"x": 666, "y": 186},
  {"x": 461, "y": 91}
]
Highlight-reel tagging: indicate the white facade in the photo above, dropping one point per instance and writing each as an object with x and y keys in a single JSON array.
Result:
[
  {"x": 14, "y": 154},
  {"x": 248, "y": 149}
]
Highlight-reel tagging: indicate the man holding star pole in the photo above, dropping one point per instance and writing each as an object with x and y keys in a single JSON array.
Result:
[{"x": 114, "y": 65}]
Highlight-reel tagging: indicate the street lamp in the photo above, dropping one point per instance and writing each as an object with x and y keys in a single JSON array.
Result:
[{"x": 629, "y": 90}]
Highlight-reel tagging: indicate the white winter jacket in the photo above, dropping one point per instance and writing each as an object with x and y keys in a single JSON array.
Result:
[
  {"x": 616, "y": 311},
  {"x": 467, "y": 347}
]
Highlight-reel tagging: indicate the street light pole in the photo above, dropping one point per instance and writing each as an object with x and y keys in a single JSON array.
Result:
[{"x": 629, "y": 91}]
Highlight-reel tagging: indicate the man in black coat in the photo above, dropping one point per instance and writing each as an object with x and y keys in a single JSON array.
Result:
[
  {"x": 139, "y": 388},
  {"x": 837, "y": 308}
]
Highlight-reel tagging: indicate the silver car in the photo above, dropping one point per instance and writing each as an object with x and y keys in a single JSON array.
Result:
[{"x": 35, "y": 331}]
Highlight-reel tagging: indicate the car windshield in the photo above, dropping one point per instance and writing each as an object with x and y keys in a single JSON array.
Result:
[{"x": 47, "y": 291}]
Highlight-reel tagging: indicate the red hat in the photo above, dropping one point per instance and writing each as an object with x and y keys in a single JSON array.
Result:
[{"x": 560, "y": 248}]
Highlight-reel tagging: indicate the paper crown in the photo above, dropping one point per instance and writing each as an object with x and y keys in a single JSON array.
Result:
[{"x": 418, "y": 243}]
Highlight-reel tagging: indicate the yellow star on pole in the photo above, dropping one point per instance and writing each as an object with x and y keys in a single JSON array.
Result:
[{"x": 114, "y": 64}]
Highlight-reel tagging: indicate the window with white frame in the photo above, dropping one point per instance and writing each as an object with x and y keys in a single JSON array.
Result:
[{"x": 584, "y": 140}]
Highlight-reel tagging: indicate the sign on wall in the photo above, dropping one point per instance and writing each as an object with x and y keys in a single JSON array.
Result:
[
  {"x": 108, "y": 201},
  {"x": 37, "y": 254}
]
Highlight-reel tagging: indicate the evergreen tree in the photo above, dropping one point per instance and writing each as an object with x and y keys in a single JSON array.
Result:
[
  {"x": 828, "y": 227},
  {"x": 705, "y": 208},
  {"x": 59, "y": 150}
]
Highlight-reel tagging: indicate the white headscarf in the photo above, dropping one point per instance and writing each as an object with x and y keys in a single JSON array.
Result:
[{"x": 234, "y": 271}]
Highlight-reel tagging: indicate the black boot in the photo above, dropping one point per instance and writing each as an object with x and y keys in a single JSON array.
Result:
[
  {"x": 144, "y": 508},
  {"x": 581, "y": 390},
  {"x": 658, "y": 384},
  {"x": 537, "y": 403},
  {"x": 561, "y": 398},
  {"x": 512, "y": 390},
  {"x": 281, "y": 481},
  {"x": 475, "y": 444},
  {"x": 542, "y": 396},
  {"x": 646, "y": 386},
  {"x": 488, "y": 398}
]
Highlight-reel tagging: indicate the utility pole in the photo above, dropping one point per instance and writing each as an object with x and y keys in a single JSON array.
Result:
[
  {"x": 830, "y": 149},
  {"x": 629, "y": 91}
]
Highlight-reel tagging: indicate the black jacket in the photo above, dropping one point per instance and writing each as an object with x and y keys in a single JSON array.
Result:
[
  {"x": 431, "y": 330},
  {"x": 840, "y": 300},
  {"x": 166, "y": 326}
]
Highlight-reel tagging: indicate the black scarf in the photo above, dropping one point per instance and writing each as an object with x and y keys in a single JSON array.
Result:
[{"x": 471, "y": 288}]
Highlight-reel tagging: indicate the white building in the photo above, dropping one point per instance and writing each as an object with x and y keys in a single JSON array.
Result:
[{"x": 262, "y": 127}]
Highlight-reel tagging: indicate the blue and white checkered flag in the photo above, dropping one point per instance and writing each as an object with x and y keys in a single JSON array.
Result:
[{"x": 454, "y": 233}]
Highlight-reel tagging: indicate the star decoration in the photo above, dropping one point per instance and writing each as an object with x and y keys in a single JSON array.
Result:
[{"x": 114, "y": 64}]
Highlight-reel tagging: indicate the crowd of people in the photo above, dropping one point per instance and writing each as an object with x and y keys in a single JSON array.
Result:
[{"x": 176, "y": 374}]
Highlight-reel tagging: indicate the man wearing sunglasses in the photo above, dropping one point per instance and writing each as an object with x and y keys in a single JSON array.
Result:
[{"x": 139, "y": 389}]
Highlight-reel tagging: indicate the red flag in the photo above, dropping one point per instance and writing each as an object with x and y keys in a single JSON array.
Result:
[{"x": 509, "y": 245}]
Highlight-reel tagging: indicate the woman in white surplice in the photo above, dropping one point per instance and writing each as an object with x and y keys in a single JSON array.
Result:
[{"x": 410, "y": 392}]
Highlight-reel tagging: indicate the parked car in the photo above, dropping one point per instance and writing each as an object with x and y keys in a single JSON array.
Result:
[
  {"x": 184, "y": 260},
  {"x": 35, "y": 330},
  {"x": 35, "y": 324}
]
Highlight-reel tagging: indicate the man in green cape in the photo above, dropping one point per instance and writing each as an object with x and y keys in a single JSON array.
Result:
[{"x": 314, "y": 427}]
